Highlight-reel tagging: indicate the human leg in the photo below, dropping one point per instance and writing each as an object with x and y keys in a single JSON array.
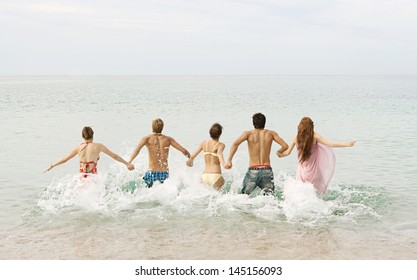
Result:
[
  {"x": 266, "y": 181},
  {"x": 249, "y": 182}
]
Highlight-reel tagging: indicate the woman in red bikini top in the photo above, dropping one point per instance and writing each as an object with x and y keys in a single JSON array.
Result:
[
  {"x": 89, "y": 154},
  {"x": 86, "y": 164}
]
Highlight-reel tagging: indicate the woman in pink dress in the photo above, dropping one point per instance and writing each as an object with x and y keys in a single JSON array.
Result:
[{"x": 316, "y": 159}]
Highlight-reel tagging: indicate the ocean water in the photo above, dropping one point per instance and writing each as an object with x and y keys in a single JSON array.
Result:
[{"x": 367, "y": 213}]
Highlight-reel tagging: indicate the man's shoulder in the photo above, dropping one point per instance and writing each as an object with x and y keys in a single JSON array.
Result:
[
  {"x": 164, "y": 138},
  {"x": 146, "y": 137},
  {"x": 249, "y": 132},
  {"x": 268, "y": 131}
]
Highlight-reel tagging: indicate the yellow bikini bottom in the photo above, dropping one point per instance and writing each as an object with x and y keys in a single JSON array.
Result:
[{"x": 210, "y": 178}]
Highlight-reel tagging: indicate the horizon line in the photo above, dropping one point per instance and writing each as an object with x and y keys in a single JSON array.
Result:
[{"x": 191, "y": 75}]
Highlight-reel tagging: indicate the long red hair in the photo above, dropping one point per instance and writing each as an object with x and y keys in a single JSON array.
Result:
[{"x": 305, "y": 139}]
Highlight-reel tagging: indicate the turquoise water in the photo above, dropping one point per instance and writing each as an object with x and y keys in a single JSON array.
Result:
[{"x": 367, "y": 213}]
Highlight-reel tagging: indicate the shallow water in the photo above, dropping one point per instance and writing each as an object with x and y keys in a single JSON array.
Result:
[{"x": 367, "y": 213}]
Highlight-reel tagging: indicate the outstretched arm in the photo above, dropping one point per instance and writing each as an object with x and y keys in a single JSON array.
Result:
[
  {"x": 105, "y": 150},
  {"x": 234, "y": 147},
  {"x": 139, "y": 147},
  {"x": 190, "y": 161},
  {"x": 180, "y": 148},
  {"x": 333, "y": 144},
  {"x": 289, "y": 150},
  {"x": 72, "y": 154},
  {"x": 279, "y": 140}
]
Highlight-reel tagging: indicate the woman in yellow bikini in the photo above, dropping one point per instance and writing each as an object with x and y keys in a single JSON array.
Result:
[
  {"x": 88, "y": 153},
  {"x": 213, "y": 157}
]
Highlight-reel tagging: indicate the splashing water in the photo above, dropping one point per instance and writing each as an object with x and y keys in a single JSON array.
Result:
[{"x": 294, "y": 202}]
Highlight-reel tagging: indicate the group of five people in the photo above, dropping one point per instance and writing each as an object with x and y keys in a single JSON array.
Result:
[{"x": 316, "y": 160}]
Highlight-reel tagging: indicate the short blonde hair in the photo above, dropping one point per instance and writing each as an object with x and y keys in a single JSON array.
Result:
[{"x": 157, "y": 125}]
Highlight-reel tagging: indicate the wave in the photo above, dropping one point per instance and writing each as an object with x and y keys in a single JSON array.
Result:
[{"x": 120, "y": 192}]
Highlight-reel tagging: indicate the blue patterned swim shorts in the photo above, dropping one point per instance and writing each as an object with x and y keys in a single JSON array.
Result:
[{"x": 152, "y": 176}]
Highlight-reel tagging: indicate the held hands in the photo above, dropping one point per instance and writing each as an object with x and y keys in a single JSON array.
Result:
[
  {"x": 281, "y": 154},
  {"x": 130, "y": 166},
  {"x": 228, "y": 165},
  {"x": 190, "y": 162}
]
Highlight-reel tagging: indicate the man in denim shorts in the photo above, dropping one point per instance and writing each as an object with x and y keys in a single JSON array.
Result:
[{"x": 260, "y": 141}]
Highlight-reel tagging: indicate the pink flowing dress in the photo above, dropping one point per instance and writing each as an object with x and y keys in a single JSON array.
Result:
[{"x": 319, "y": 168}]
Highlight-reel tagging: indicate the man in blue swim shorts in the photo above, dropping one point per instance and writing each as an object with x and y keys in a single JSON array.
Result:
[
  {"x": 152, "y": 176},
  {"x": 158, "y": 150},
  {"x": 259, "y": 140}
]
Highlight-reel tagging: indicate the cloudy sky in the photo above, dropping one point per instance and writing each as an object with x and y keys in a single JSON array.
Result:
[{"x": 208, "y": 37}]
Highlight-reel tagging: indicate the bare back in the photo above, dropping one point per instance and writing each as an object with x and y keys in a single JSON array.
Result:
[
  {"x": 259, "y": 146},
  {"x": 89, "y": 152},
  {"x": 158, "y": 150},
  {"x": 211, "y": 159}
]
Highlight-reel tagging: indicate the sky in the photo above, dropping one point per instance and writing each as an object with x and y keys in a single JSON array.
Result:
[{"x": 208, "y": 37}]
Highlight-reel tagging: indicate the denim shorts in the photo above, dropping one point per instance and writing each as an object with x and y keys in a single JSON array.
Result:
[
  {"x": 152, "y": 176},
  {"x": 259, "y": 177}
]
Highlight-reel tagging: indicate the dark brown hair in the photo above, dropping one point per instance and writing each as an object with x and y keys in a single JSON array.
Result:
[
  {"x": 157, "y": 125},
  {"x": 305, "y": 139},
  {"x": 258, "y": 120},
  {"x": 215, "y": 131},
  {"x": 87, "y": 133}
]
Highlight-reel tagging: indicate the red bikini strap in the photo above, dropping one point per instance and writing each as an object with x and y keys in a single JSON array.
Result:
[{"x": 86, "y": 144}]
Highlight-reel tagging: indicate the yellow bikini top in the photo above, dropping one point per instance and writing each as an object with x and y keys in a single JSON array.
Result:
[{"x": 212, "y": 151}]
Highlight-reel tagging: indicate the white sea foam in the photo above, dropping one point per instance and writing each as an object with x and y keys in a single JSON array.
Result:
[{"x": 184, "y": 194}]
